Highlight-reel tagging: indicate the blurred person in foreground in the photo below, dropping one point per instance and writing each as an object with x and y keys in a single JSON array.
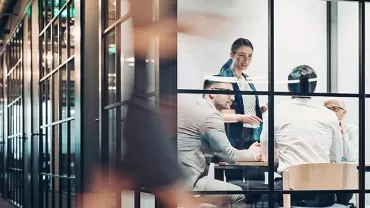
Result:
[
  {"x": 150, "y": 158},
  {"x": 310, "y": 134},
  {"x": 201, "y": 136}
]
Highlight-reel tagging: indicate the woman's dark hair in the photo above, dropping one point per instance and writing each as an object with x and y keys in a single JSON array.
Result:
[
  {"x": 239, "y": 43},
  {"x": 302, "y": 75},
  {"x": 234, "y": 47}
]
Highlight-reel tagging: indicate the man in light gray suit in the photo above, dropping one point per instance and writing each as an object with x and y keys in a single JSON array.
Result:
[{"x": 201, "y": 135}]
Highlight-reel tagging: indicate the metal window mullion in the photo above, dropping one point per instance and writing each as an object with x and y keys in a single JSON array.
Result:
[
  {"x": 59, "y": 38},
  {"x": 68, "y": 136},
  {"x": 118, "y": 98},
  {"x": 47, "y": 96},
  {"x": 21, "y": 101},
  {"x": 17, "y": 151},
  {"x": 60, "y": 129},
  {"x": 105, "y": 113},
  {"x": 271, "y": 98},
  {"x": 362, "y": 103},
  {"x": 6, "y": 124},
  {"x": 68, "y": 25},
  {"x": 15, "y": 129},
  {"x": 41, "y": 141},
  {"x": 52, "y": 138}
]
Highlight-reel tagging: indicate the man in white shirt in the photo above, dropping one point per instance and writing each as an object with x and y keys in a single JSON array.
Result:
[
  {"x": 303, "y": 131},
  {"x": 349, "y": 131}
]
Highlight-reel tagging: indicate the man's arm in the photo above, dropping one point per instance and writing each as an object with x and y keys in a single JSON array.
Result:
[
  {"x": 214, "y": 131},
  {"x": 350, "y": 143},
  {"x": 264, "y": 140},
  {"x": 336, "y": 150}
]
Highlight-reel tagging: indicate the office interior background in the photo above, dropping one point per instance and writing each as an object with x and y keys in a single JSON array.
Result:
[{"x": 66, "y": 70}]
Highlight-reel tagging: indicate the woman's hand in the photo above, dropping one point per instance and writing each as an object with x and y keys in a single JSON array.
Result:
[{"x": 249, "y": 119}]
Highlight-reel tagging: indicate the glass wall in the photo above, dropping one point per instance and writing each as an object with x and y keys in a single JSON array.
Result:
[
  {"x": 117, "y": 78},
  {"x": 284, "y": 34},
  {"x": 2, "y": 141},
  {"x": 14, "y": 119},
  {"x": 57, "y": 103}
]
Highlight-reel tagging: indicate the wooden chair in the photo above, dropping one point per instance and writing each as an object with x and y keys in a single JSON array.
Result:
[{"x": 320, "y": 176}]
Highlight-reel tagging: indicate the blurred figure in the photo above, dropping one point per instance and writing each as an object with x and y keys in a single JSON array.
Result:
[
  {"x": 303, "y": 133},
  {"x": 349, "y": 132},
  {"x": 243, "y": 124},
  {"x": 201, "y": 135},
  {"x": 145, "y": 137}
]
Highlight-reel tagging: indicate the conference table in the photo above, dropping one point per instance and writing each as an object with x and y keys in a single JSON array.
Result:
[
  {"x": 254, "y": 173},
  {"x": 219, "y": 168}
]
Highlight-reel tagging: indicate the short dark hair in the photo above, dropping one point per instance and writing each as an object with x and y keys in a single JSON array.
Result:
[
  {"x": 239, "y": 43},
  {"x": 303, "y": 74},
  {"x": 208, "y": 83}
]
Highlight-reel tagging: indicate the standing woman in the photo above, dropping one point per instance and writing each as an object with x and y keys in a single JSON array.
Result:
[{"x": 245, "y": 115}]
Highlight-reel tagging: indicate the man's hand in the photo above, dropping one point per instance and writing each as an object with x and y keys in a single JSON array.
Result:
[
  {"x": 342, "y": 130},
  {"x": 264, "y": 108},
  {"x": 256, "y": 148},
  {"x": 249, "y": 119}
]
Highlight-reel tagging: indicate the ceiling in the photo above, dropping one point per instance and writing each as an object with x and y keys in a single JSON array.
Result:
[{"x": 6, "y": 8}]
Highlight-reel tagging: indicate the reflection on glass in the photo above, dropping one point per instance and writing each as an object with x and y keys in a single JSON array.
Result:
[
  {"x": 127, "y": 60},
  {"x": 49, "y": 11},
  {"x": 63, "y": 37},
  {"x": 64, "y": 148},
  {"x": 55, "y": 96},
  {"x": 63, "y": 90},
  {"x": 56, "y": 55},
  {"x": 48, "y": 56},
  {"x": 73, "y": 139},
  {"x": 111, "y": 12},
  {"x": 42, "y": 14},
  {"x": 72, "y": 97},
  {"x": 56, "y": 138},
  {"x": 71, "y": 29},
  {"x": 110, "y": 66},
  {"x": 112, "y": 142},
  {"x": 123, "y": 118},
  {"x": 43, "y": 52},
  {"x": 125, "y": 7}
]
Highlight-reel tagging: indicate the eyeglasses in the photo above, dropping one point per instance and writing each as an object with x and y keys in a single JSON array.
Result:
[{"x": 335, "y": 108}]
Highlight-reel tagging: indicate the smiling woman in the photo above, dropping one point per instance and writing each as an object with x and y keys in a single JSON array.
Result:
[{"x": 244, "y": 106}]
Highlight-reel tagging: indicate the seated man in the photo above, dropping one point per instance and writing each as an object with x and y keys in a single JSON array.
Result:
[
  {"x": 349, "y": 132},
  {"x": 350, "y": 139},
  {"x": 304, "y": 132},
  {"x": 201, "y": 135}
]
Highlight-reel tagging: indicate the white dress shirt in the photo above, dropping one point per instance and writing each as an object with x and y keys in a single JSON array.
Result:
[
  {"x": 304, "y": 133},
  {"x": 350, "y": 143}
]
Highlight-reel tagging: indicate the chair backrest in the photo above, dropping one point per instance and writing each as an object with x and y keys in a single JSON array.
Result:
[{"x": 321, "y": 176}]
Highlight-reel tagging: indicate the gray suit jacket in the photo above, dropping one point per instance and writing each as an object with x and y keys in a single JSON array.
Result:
[{"x": 201, "y": 135}]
